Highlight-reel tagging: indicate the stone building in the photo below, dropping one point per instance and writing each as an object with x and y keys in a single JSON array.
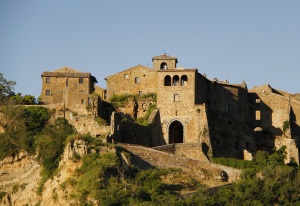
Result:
[
  {"x": 66, "y": 85},
  {"x": 136, "y": 80},
  {"x": 226, "y": 119},
  {"x": 222, "y": 116}
]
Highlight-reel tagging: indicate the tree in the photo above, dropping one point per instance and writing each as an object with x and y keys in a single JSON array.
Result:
[
  {"x": 6, "y": 87},
  {"x": 15, "y": 136},
  {"x": 50, "y": 143}
]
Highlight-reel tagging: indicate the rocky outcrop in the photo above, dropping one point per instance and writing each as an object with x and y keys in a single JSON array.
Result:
[{"x": 19, "y": 177}]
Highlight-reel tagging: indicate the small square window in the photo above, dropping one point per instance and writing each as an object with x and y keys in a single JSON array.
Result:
[
  {"x": 126, "y": 76},
  {"x": 137, "y": 80},
  {"x": 48, "y": 80},
  {"x": 176, "y": 97},
  {"x": 80, "y": 80},
  {"x": 257, "y": 101},
  {"x": 48, "y": 93},
  {"x": 140, "y": 93}
]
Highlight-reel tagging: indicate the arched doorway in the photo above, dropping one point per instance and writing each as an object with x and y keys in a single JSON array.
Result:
[{"x": 175, "y": 132}]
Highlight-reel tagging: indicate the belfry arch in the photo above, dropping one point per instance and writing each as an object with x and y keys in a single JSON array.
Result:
[{"x": 176, "y": 132}]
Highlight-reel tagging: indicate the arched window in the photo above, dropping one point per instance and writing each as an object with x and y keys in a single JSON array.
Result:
[
  {"x": 184, "y": 80},
  {"x": 176, "y": 80},
  {"x": 167, "y": 80},
  {"x": 163, "y": 66}
]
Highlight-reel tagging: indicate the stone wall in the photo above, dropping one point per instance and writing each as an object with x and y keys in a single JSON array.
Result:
[
  {"x": 274, "y": 109},
  {"x": 84, "y": 122},
  {"x": 229, "y": 136},
  {"x": 201, "y": 169},
  {"x": 292, "y": 150},
  {"x": 136, "y": 80},
  {"x": 136, "y": 107}
]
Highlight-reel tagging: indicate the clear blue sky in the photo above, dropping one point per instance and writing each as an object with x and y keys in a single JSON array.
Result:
[{"x": 257, "y": 40}]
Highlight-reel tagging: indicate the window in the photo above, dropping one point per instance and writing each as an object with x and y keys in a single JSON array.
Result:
[
  {"x": 126, "y": 76},
  {"x": 176, "y": 80},
  {"x": 140, "y": 93},
  {"x": 176, "y": 97},
  {"x": 257, "y": 101},
  {"x": 80, "y": 80},
  {"x": 82, "y": 101},
  {"x": 226, "y": 107},
  {"x": 167, "y": 81},
  {"x": 184, "y": 80},
  {"x": 48, "y": 93},
  {"x": 163, "y": 66},
  {"x": 257, "y": 115},
  {"x": 137, "y": 80},
  {"x": 67, "y": 82},
  {"x": 90, "y": 100},
  {"x": 47, "y": 79}
]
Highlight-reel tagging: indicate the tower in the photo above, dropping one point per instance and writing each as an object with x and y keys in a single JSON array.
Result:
[{"x": 164, "y": 62}]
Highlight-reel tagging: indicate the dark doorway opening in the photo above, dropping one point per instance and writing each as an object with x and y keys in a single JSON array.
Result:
[{"x": 175, "y": 132}]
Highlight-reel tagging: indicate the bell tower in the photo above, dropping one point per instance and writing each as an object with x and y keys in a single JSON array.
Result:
[{"x": 164, "y": 62}]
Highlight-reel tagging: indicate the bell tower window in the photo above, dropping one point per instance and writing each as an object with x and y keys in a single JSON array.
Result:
[{"x": 163, "y": 66}]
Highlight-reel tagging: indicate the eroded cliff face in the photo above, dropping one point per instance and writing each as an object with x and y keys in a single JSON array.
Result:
[{"x": 20, "y": 177}]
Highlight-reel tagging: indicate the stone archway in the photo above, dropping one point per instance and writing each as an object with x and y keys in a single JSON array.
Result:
[{"x": 176, "y": 132}]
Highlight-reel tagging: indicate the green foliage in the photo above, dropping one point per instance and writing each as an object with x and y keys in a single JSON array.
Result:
[
  {"x": 276, "y": 185},
  {"x": 101, "y": 121},
  {"x": 36, "y": 118},
  {"x": 144, "y": 120},
  {"x": 2, "y": 194},
  {"x": 153, "y": 96},
  {"x": 260, "y": 160},
  {"x": 16, "y": 136},
  {"x": 50, "y": 144},
  {"x": 26, "y": 99},
  {"x": 93, "y": 175},
  {"x": 6, "y": 88},
  {"x": 20, "y": 125},
  {"x": 231, "y": 162},
  {"x": 119, "y": 100},
  {"x": 285, "y": 126}
]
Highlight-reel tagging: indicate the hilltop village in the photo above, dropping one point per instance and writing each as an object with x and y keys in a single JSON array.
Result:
[{"x": 166, "y": 105}]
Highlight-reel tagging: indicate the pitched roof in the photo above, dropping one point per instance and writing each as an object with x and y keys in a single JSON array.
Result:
[
  {"x": 163, "y": 57},
  {"x": 68, "y": 72},
  {"x": 132, "y": 68}
]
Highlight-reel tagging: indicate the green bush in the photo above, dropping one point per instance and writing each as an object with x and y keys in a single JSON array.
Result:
[
  {"x": 36, "y": 118},
  {"x": 2, "y": 194},
  {"x": 285, "y": 126},
  {"x": 119, "y": 100},
  {"x": 144, "y": 120},
  {"x": 50, "y": 144},
  {"x": 231, "y": 162},
  {"x": 101, "y": 121}
]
